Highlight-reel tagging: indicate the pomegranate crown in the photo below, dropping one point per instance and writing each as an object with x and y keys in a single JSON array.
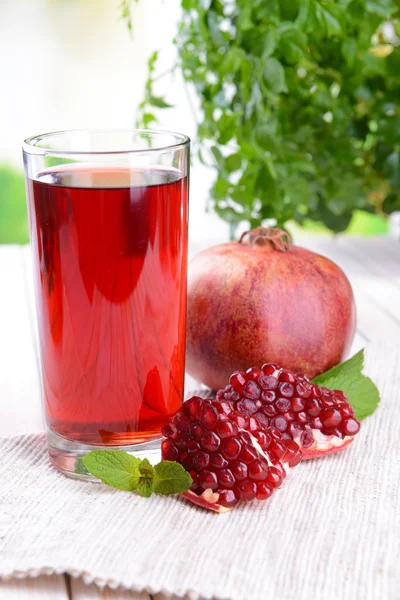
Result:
[{"x": 263, "y": 236}]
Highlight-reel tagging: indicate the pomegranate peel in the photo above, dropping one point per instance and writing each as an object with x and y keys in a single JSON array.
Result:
[
  {"x": 208, "y": 499},
  {"x": 264, "y": 299}
]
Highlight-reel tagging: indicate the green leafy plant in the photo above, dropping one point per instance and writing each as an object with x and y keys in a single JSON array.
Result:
[
  {"x": 299, "y": 102},
  {"x": 13, "y": 214}
]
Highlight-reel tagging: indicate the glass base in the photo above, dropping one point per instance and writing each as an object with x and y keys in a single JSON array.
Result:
[{"x": 64, "y": 453}]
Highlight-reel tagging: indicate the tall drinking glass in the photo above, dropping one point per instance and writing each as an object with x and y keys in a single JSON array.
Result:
[{"x": 108, "y": 225}]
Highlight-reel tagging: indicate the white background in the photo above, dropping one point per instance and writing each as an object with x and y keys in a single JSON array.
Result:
[{"x": 68, "y": 64}]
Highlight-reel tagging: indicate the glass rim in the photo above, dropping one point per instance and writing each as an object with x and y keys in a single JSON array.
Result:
[{"x": 29, "y": 146}]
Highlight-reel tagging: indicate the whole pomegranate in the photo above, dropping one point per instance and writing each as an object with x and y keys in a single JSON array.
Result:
[{"x": 264, "y": 299}]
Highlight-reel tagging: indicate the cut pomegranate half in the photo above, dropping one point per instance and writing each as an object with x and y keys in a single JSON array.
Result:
[
  {"x": 319, "y": 420},
  {"x": 230, "y": 454}
]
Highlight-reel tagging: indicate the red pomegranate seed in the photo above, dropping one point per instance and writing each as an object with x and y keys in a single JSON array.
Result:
[
  {"x": 264, "y": 490},
  {"x": 228, "y": 498},
  {"x": 251, "y": 390},
  {"x": 253, "y": 373},
  {"x": 169, "y": 451},
  {"x": 193, "y": 446},
  {"x": 327, "y": 401},
  {"x": 333, "y": 431},
  {"x": 239, "y": 470},
  {"x": 269, "y": 410},
  {"x": 248, "y": 453},
  {"x": 230, "y": 448},
  {"x": 226, "y": 428},
  {"x": 208, "y": 416},
  {"x": 315, "y": 392},
  {"x": 313, "y": 407},
  {"x": 274, "y": 477},
  {"x": 280, "y": 423},
  {"x": 192, "y": 407},
  {"x": 197, "y": 430},
  {"x": 276, "y": 450},
  {"x": 200, "y": 460},
  {"x": 263, "y": 438},
  {"x": 350, "y": 426},
  {"x": 246, "y": 490},
  {"x": 287, "y": 376},
  {"x": 267, "y": 382},
  {"x": 258, "y": 470},
  {"x": 303, "y": 389},
  {"x": 269, "y": 368},
  {"x": 302, "y": 417},
  {"x": 297, "y": 404},
  {"x": 226, "y": 478},
  {"x": 210, "y": 442},
  {"x": 316, "y": 423},
  {"x": 286, "y": 389},
  {"x": 218, "y": 461},
  {"x": 307, "y": 438},
  {"x": 283, "y": 404},
  {"x": 347, "y": 411},
  {"x": 181, "y": 441},
  {"x": 247, "y": 406},
  {"x": 207, "y": 480},
  {"x": 330, "y": 417},
  {"x": 240, "y": 418},
  {"x": 268, "y": 396},
  {"x": 238, "y": 380}
]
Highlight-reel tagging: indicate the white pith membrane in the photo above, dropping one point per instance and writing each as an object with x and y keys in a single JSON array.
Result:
[
  {"x": 324, "y": 442},
  {"x": 209, "y": 499}
]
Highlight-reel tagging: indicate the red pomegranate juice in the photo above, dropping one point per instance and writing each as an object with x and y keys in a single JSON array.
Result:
[{"x": 109, "y": 250}]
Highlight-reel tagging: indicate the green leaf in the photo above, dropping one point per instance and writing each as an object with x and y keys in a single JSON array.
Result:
[
  {"x": 146, "y": 469},
  {"x": 349, "y": 51},
  {"x": 270, "y": 41},
  {"x": 265, "y": 138},
  {"x": 361, "y": 392},
  {"x": 145, "y": 487},
  {"x": 159, "y": 102},
  {"x": 171, "y": 478},
  {"x": 233, "y": 162},
  {"x": 80, "y": 468},
  {"x": 274, "y": 75},
  {"x": 233, "y": 60},
  {"x": 292, "y": 44},
  {"x": 392, "y": 166},
  {"x": 114, "y": 467}
]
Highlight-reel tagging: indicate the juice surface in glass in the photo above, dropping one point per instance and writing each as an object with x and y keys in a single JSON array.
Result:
[{"x": 109, "y": 248}]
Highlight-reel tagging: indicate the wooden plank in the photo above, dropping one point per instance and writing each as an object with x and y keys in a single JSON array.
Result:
[
  {"x": 81, "y": 591},
  {"x": 379, "y": 294},
  {"x": 369, "y": 251},
  {"x": 50, "y": 587},
  {"x": 20, "y": 409}
]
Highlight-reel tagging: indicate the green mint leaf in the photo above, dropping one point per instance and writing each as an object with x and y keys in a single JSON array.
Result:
[
  {"x": 80, "y": 468},
  {"x": 146, "y": 469},
  {"x": 362, "y": 393},
  {"x": 114, "y": 467},
  {"x": 145, "y": 487},
  {"x": 171, "y": 478}
]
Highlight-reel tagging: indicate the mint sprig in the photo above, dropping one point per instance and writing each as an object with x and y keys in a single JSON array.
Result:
[
  {"x": 123, "y": 471},
  {"x": 362, "y": 393}
]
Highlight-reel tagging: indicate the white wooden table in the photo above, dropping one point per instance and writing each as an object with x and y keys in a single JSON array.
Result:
[{"x": 372, "y": 265}]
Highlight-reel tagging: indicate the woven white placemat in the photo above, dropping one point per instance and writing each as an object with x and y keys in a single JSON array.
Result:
[{"x": 331, "y": 533}]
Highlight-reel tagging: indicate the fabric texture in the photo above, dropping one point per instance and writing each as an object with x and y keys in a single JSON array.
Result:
[{"x": 331, "y": 532}]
